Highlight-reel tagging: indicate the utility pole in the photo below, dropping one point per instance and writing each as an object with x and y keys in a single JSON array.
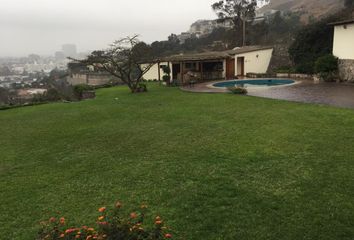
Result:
[
  {"x": 243, "y": 18},
  {"x": 243, "y": 31}
]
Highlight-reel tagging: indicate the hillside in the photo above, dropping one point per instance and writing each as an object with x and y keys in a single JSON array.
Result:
[{"x": 315, "y": 8}]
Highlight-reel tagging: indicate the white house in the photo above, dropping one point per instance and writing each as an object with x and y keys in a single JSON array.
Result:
[
  {"x": 209, "y": 66},
  {"x": 343, "y": 48}
]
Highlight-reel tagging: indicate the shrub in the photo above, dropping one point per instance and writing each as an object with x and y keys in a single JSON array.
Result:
[
  {"x": 327, "y": 67},
  {"x": 79, "y": 89},
  {"x": 237, "y": 90},
  {"x": 166, "y": 78},
  {"x": 111, "y": 225},
  {"x": 327, "y": 63},
  {"x": 52, "y": 95},
  {"x": 285, "y": 69},
  {"x": 140, "y": 88}
]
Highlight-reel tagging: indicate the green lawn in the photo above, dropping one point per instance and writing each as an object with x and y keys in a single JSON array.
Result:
[{"x": 215, "y": 166}]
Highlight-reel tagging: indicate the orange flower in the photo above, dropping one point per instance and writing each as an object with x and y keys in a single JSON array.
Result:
[
  {"x": 100, "y": 218},
  {"x": 133, "y": 215},
  {"x": 52, "y": 219},
  {"x": 118, "y": 204},
  {"x": 168, "y": 235},
  {"x": 158, "y": 222},
  {"x": 62, "y": 221},
  {"x": 102, "y": 209},
  {"x": 70, "y": 230}
]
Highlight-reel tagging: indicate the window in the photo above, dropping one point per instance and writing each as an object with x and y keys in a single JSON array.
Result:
[{"x": 191, "y": 66}]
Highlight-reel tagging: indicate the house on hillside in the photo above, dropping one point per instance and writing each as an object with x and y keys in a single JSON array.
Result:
[
  {"x": 343, "y": 48},
  {"x": 208, "y": 66}
]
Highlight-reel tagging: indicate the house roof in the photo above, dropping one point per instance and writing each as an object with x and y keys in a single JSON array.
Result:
[
  {"x": 214, "y": 55},
  {"x": 342, "y": 22},
  {"x": 247, "y": 49},
  {"x": 197, "y": 56}
]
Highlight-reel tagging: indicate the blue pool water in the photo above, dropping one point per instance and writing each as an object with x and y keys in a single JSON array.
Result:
[{"x": 254, "y": 83}]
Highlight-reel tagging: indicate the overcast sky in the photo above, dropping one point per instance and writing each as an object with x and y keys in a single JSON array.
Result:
[{"x": 42, "y": 26}]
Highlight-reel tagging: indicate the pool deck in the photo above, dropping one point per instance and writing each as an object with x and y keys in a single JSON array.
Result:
[
  {"x": 204, "y": 88},
  {"x": 306, "y": 91}
]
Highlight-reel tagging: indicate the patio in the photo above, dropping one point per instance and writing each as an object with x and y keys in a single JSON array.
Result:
[{"x": 333, "y": 94}]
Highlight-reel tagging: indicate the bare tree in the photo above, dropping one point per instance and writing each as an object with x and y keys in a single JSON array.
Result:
[
  {"x": 127, "y": 59},
  {"x": 238, "y": 11}
]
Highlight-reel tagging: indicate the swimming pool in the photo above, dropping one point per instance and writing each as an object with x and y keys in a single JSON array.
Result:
[{"x": 254, "y": 83}]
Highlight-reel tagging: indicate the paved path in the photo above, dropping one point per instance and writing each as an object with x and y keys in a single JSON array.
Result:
[{"x": 334, "y": 94}]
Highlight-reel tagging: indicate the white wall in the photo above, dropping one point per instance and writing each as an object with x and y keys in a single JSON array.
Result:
[
  {"x": 256, "y": 61},
  {"x": 343, "y": 43},
  {"x": 153, "y": 73}
]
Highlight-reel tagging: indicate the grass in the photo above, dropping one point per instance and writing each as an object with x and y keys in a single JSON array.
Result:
[{"x": 215, "y": 166}]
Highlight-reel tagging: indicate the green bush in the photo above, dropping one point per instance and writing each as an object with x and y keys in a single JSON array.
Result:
[
  {"x": 112, "y": 224},
  {"x": 142, "y": 87},
  {"x": 327, "y": 63},
  {"x": 166, "y": 78},
  {"x": 52, "y": 95},
  {"x": 79, "y": 89},
  {"x": 285, "y": 69},
  {"x": 327, "y": 67},
  {"x": 237, "y": 90}
]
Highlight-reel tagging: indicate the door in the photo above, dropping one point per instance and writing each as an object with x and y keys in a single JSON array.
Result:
[
  {"x": 230, "y": 69},
  {"x": 176, "y": 69},
  {"x": 240, "y": 66}
]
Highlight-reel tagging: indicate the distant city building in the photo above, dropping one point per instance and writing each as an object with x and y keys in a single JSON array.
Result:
[
  {"x": 59, "y": 56},
  {"x": 202, "y": 28},
  {"x": 69, "y": 50}
]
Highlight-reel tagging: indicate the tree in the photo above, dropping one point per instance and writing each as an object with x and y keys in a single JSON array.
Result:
[
  {"x": 238, "y": 11},
  {"x": 124, "y": 60},
  {"x": 4, "y": 96},
  {"x": 310, "y": 43},
  {"x": 349, "y": 3}
]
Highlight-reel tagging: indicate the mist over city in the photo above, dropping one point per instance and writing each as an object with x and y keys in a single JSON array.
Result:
[{"x": 42, "y": 26}]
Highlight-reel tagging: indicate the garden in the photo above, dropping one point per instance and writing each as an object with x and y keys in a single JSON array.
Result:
[{"x": 212, "y": 166}]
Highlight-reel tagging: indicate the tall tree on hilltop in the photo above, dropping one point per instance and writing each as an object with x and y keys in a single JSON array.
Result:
[{"x": 238, "y": 11}]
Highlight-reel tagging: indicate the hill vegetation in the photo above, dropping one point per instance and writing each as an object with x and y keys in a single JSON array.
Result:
[{"x": 307, "y": 9}]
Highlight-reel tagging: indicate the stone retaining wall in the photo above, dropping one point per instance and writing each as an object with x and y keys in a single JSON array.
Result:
[
  {"x": 294, "y": 75},
  {"x": 346, "y": 70}
]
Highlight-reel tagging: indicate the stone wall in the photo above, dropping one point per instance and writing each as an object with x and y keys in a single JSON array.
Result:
[
  {"x": 280, "y": 58},
  {"x": 92, "y": 79},
  {"x": 294, "y": 75},
  {"x": 346, "y": 70}
]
